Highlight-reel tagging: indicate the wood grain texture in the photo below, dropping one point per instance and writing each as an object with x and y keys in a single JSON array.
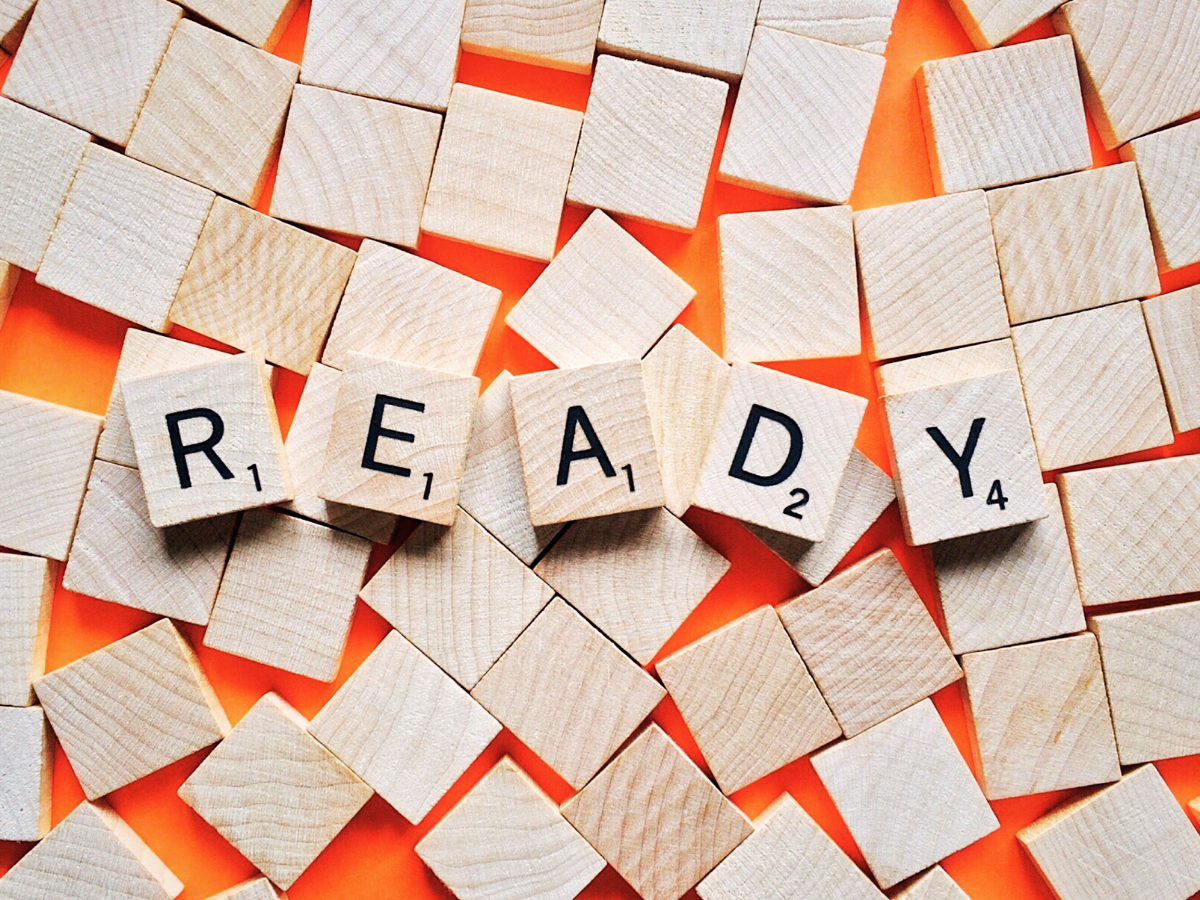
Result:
[
  {"x": 1168, "y": 164},
  {"x": 131, "y": 708},
  {"x": 26, "y": 590},
  {"x": 933, "y": 885},
  {"x": 273, "y": 792},
  {"x": 568, "y": 693},
  {"x": 991, "y": 22},
  {"x": 860, "y": 24},
  {"x": 14, "y": 19},
  {"x": 801, "y": 117},
  {"x": 26, "y": 773},
  {"x": 636, "y": 576},
  {"x": 946, "y": 367},
  {"x": 560, "y": 34},
  {"x": 9, "y": 275},
  {"x": 355, "y": 165},
  {"x": 987, "y": 124},
  {"x": 404, "y": 727},
  {"x": 259, "y": 23},
  {"x": 1173, "y": 321},
  {"x": 789, "y": 284},
  {"x": 254, "y": 889},
  {"x": 688, "y": 34},
  {"x": 647, "y": 143}
]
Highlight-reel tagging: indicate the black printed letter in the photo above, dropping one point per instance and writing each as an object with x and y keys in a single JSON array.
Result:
[
  {"x": 961, "y": 461},
  {"x": 376, "y": 431},
  {"x": 577, "y": 418},
  {"x": 181, "y": 450},
  {"x": 795, "y": 447}
]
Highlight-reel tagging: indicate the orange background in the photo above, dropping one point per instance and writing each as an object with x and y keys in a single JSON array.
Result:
[{"x": 63, "y": 351}]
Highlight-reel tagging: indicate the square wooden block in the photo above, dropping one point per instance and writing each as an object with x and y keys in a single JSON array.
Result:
[
  {"x": 690, "y": 34},
  {"x": 131, "y": 708},
  {"x": 568, "y": 693},
  {"x": 1174, "y": 324},
  {"x": 587, "y": 443},
  {"x": 789, "y": 284},
  {"x": 779, "y": 450},
  {"x": 560, "y": 34},
  {"x": 865, "y": 25},
  {"x": 26, "y": 768},
  {"x": 273, "y": 792},
  {"x": 991, "y": 22},
  {"x": 647, "y": 143},
  {"x": 935, "y": 884},
  {"x": 930, "y": 280},
  {"x": 1168, "y": 164},
  {"x": 501, "y": 171},
  {"x": 355, "y": 165},
  {"x": 404, "y": 727},
  {"x": 124, "y": 237},
  {"x": 1002, "y": 116},
  {"x": 26, "y": 590},
  {"x": 259, "y": 23},
  {"x": 399, "y": 439}
]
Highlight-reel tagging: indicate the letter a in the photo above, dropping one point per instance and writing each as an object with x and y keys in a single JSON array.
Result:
[{"x": 577, "y": 418}]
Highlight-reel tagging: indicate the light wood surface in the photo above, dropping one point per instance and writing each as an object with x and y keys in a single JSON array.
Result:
[
  {"x": 991, "y": 22},
  {"x": 26, "y": 589},
  {"x": 1174, "y": 324},
  {"x": 259, "y": 23},
  {"x": 259, "y": 888},
  {"x": 26, "y": 774},
  {"x": 687, "y": 34},
  {"x": 860, "y": 24},
  {"x": 1168, "y": 162},
  {"x": 560, "y": 34},
  {"x": 946, "y": 367},
  {"x": 14, "y": 19},
  {"x": 9, "y": 275},
  {"x": 933, "y": 885}
]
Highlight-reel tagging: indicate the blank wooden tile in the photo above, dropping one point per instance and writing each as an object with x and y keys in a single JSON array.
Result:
[
  {"x": 26, "y": 767},
  {"x": 647, "y": 143},
  {"x": 991, "y": 22},
  {"x": 259, "y": 23},
  {"x": 1174, "y": 324},
  {"x": 124, "y": 237},
  {"x": 14, "y": 18},
  {"x": 131, "y": 708},
  {"x": 26, "y": 589},
  {"x": 636, "y": 576},
  {"x": 930, "y": 280},
  {"x": 273, "y": 792},
  {"x": 604, "y": 297},
  {"x": 355, "y": 165},
  {"x": 506, "y": 840},
  {"x": 656, "y": 819},
  {"x": 789, "y": 284},
  {"x": 935, "y": 884},
  {"x": 779, "y": 451},
  {"x": 1168, "y": 162},
  {"x": 1127, "y": 841},
  {"x": 864, "y": 25},
  {"x": 260, "y": 285},
  {"x": 1002, "y": 116},
  {"x": 946, "y": 367},
  {"x": 568, "y": 693},
  {"x": 501, "y": 171},
  {"x": 91, "y": 64},
  {"x": 560, "y": 34},
  {"x": 688, "y": 34},
  {"x": 404, "y": 727},
  {"x": 254, "y": 889},
  {"x": 47, "y": 458},
  {"x": 801, "y": 117}
]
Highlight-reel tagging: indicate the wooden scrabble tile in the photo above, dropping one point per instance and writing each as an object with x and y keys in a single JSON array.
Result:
[
  {"x": 288, "y": 594},
  {"x": 779, "y": 451},
  {"x": 207, "y": 439},
  {"x": 402, "y": 307},
  {"x": 124, "y": 237},
  {"x": 864, "y": 26},
  {"x": 656, "y": 819},
  {"x": 1002, "y": 116},
  {"x": 47, "y": 458},
  {"x": 131, "y": 708},
  {"x": 904, "y": 792},
  {"x": 459, "y": 595},
  {"x": 748, "y": 699},
  {"x": 119, "y": 556},
  {"x": 380, "y": 194},
  {"x": 788, "y": 855},
  {"x": 215, "y": 112},
  {"x": 506, "y": 840},
  {"x": 259, "y": 23},
  {"x": 1174, "y": 323},
  {"x": 604, "y": 297},
  {"x": 254, "y": 889},
  {"x": 501, "y": 171},
  {"x": 273, "y": 792},
  {"x": 930, "y": 280},
  {"x": 26, "y": 767},
  {"x": 1128, "y": 840},
  {"x": 404, "y": 727},
  {"x": 14, "y": 18},
  {"x": 91, "y": 64},
  {"x": 688, "y": 34},
  {"x": 560, "y": 34},
  {"x": 637, "y": 575},
  {"x": 869, "y": 642},
  {"x": 1168, "y": 162},
  {"x": 801, "y": 117},
  {"x": 568, "y": 693},
  {"x": 9, "y": 275},
  {"x": 374, "y": 461},
  {"x": 91, "y": 853},
  {"x": 935, "y": 884},
  {"x": 647, "y": 143},
  {"x": 260, "y": 285},
  {"x": 789, "y": 284},
  {"x": 1152, "y": 669},
  {"x": 587, "y": 442},
  {"x": 946, "y": 367},
  {"x": 1072, "y": 243},
  {"x": 26, "y": 589},
  {"x": 991, "y": 22}
]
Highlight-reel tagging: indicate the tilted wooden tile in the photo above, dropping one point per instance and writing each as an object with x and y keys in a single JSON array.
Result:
[
  {"x": 687, "y": 34},
  {"x": 26, "y": 589},
  {"x": 500, "y": 175},
  {"x": 404, "y": 727},
  {"x": 656, "y": 819},
  {"x": 1168, "y": 163},
  {"x": 275, "y": 793},
  {"x": 604, "y": 297},
  {"x": 864, "y": 26},
  {"x": 747, "y": 698},
  {"x": 554, "y": 33},
  {"x": 933, "y": 885},
  {"x": 131, "y": 708},
  {"x": 259, "y": 23},
  {"x": 26, "y": 767},
  {"x": 1174, "y": 324},
  {"x": 991, "y": 22},
  {"x": 789, "y": 284},
  {"x": 355, "y": 165},
  {"x": 801, "y": 117},
  {"x": 647, "y": 142},
  {"x": 636, "y": 576},
  {"x": 568, "y": 693},
  {"x": 1002, "y": 116},
  {"x": 260, "y": 285},
  {"x": 783, "y": 475},
  {"x": 124, "y": 237},
  {"x": 506, "y": 840},
  {"x": 9, "y": 275},
  {"x": 14, "y": 18},
  {"x": 946, "y": 367},
  {"x": 259, "y": 888}
]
